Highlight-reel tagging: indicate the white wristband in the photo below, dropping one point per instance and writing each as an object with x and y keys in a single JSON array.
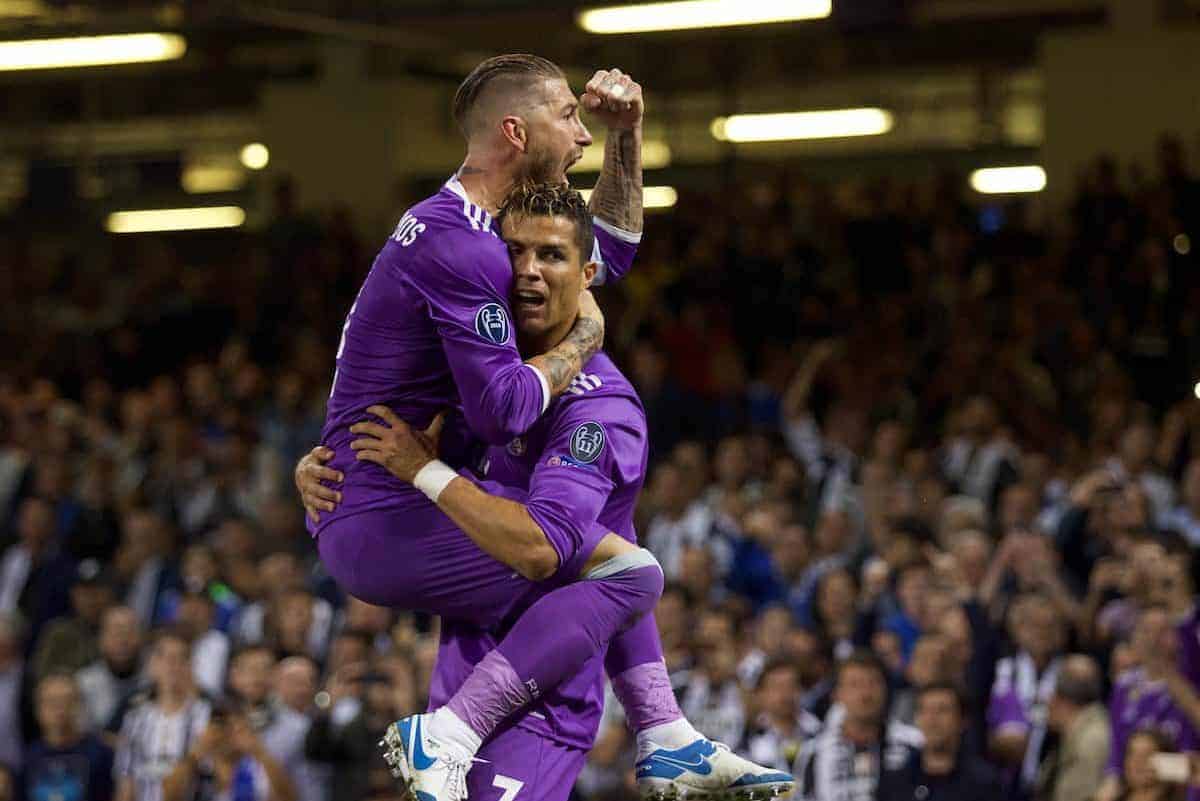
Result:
[{"x": 433, "y": 478}]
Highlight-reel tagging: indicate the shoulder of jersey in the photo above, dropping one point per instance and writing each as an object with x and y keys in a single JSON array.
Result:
[
  {"x": 447, "y": 212},
  {"x": 600, "y": 378}
]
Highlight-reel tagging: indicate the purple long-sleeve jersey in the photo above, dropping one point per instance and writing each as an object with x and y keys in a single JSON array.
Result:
[
  {"x": 583, "y": 461},
  {"x": 1139, "y": 703},
  {"x": 431, "y": 330}
]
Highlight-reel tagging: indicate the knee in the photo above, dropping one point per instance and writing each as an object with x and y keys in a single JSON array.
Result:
[
  {"x": 649, "y": 580},
  {"x": 638, "y": 571}
]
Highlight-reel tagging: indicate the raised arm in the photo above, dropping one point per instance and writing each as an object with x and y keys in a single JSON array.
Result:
[{"x": 616, "y": 100}]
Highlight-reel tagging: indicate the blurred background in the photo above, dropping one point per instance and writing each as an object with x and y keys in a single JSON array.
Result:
[{"x": 916, "y": 321}]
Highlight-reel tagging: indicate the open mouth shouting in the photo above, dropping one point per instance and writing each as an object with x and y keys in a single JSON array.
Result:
[{"x": 528, "y": 301}]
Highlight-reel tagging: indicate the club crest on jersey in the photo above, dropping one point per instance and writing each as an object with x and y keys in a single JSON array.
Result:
[
  {"x": 516, "y": 446},
  {"x": 587, "y": 441},
  {"x": 491, "y": 323}
]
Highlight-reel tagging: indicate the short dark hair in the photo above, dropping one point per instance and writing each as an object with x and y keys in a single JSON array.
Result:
[
  {"x": 553, "y": 200},
  {"x": 860, "y": 658},
  {"x": 509, "y": 69},
  {"x": 1079, "y": 682},
  {"x": 772, "y": 665},
  {"x": 251, "y": 648},
  {"x": 57, "y": 674},
  {"x": 960, "y": 697},
  {"x": 169, "y": 632}
]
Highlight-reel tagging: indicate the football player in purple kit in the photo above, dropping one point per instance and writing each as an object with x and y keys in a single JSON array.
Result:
[
  {"x": 589, "y": 451},
  {"x": 430, "y": 330}
]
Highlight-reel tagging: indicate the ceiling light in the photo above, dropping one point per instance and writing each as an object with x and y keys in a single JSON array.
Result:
[
  {"x": 190, "y": 219},
  {"x": 90, "y": 51},
  {"x": 653, "y": 197},
  {"x": 255, "y": 155},
  {"x": 831, "y": 124},
  {"x": 1008, "y": 180},
  {"x": 656, "y": 154},
  {"x": 198, "y": 179},
  {"x": 699, "y": 14}
]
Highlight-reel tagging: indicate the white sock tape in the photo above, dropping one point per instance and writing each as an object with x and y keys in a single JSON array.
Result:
[{"x": 433, "y": 478}]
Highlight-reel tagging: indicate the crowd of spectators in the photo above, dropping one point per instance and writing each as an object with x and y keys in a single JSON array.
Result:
[{"x": 925, "y": 483}]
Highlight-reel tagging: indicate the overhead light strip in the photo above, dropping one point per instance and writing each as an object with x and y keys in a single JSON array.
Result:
[
  {"x": 653, "y": 197},
  {"x": 90, "y": 51},
  {"x": 656, "y": 154},
  {"x": 1009, "y": 180},
  {"x": 699, "y": 14},
  {"x": 832, "y": 124},
  {"x": 186, "y": 219}
]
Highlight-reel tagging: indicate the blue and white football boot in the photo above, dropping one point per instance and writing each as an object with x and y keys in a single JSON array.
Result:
[
  {"x": 426, "y": 767},
  {"x": 707, "y": 771}
]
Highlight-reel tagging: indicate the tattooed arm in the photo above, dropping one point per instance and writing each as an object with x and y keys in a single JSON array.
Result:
[
  {"x": 563, "y": 362},
  {"x": 617, "y": 198},
  {"x": 616, "y": 99}
]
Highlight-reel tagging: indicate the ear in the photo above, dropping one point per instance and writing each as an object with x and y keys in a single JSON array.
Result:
[
  {"x": 589, "y": 273},
  {"x": 514, "y": 131}
]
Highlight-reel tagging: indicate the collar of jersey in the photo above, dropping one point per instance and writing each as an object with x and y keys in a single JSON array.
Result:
[{"x": 455, "y": 186}]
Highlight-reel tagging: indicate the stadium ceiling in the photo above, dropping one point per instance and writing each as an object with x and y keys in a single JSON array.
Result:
[
  {"x": 234, "y": 46},
  {"x": 918, "y": 51}
]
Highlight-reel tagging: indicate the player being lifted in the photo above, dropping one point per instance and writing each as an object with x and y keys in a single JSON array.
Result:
[
  {"x": 590, "y": 447},
  {"x": 431, "y": 327}
]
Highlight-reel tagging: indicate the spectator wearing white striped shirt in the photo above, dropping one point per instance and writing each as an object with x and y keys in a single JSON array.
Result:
[
  {"x": 845, "y": 761},
  {"x": 161, "y": 727}
]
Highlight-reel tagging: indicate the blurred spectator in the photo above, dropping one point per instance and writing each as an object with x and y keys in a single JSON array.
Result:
[
  {"x": 296, "y": 683},
  {"x": 980, "y": 460},
  {"x": 200, "y": 573},
  {"x": 7, "y": 784},
  {"x": 105, "y": 683},
  {"x": 70, "y": 643},
  {"x": 34, "y": 574},
  {"x": 228, "y": 762},
  {"x": 141, "y": 562},
  {"x": 782, "y": 725},
  {"x": 66, "y": 762},
  {"x": 679, "y": 522},
  {"x": 1076, "y": 767},
  {"x": 1024, "y": 685},
  {"x": 280, "y": 728},
  {"x": 769, "y": 644},
  {"x": 829, "y": 456},
  {"x": 12, "y": 682},
  {"x": 161, "y": 726},
  {"x": 196, "y": 618},
  {"x": 1134, "y": 463},
  {"x": 858, "y": 743},
  {"x": 941, "y": 770},
  {"x": 929, "y": 664},
  {"x": 1150, "y": 696},
  {"x": 1139, "y": 781},
  {"x": 1185, "y": 518},
  {"x": 289, "y": 615},
  {"x": 712, "y": 697},
  {"x": 355, "y": 708}
]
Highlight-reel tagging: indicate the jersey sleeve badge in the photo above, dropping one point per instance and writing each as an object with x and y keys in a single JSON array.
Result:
[
  {"x": 587, "y": 442},
  {"x": 491, "y": 323}
]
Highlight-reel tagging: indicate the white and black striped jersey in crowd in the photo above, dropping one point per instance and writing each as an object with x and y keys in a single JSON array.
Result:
[
  {"x": 772, "y": 748},
  {"x": 151, "y": 742},
  {"x": 716, "y": 710},
  {"x": 831, "y": 768},
  {"x": 831, "y": 470}
]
